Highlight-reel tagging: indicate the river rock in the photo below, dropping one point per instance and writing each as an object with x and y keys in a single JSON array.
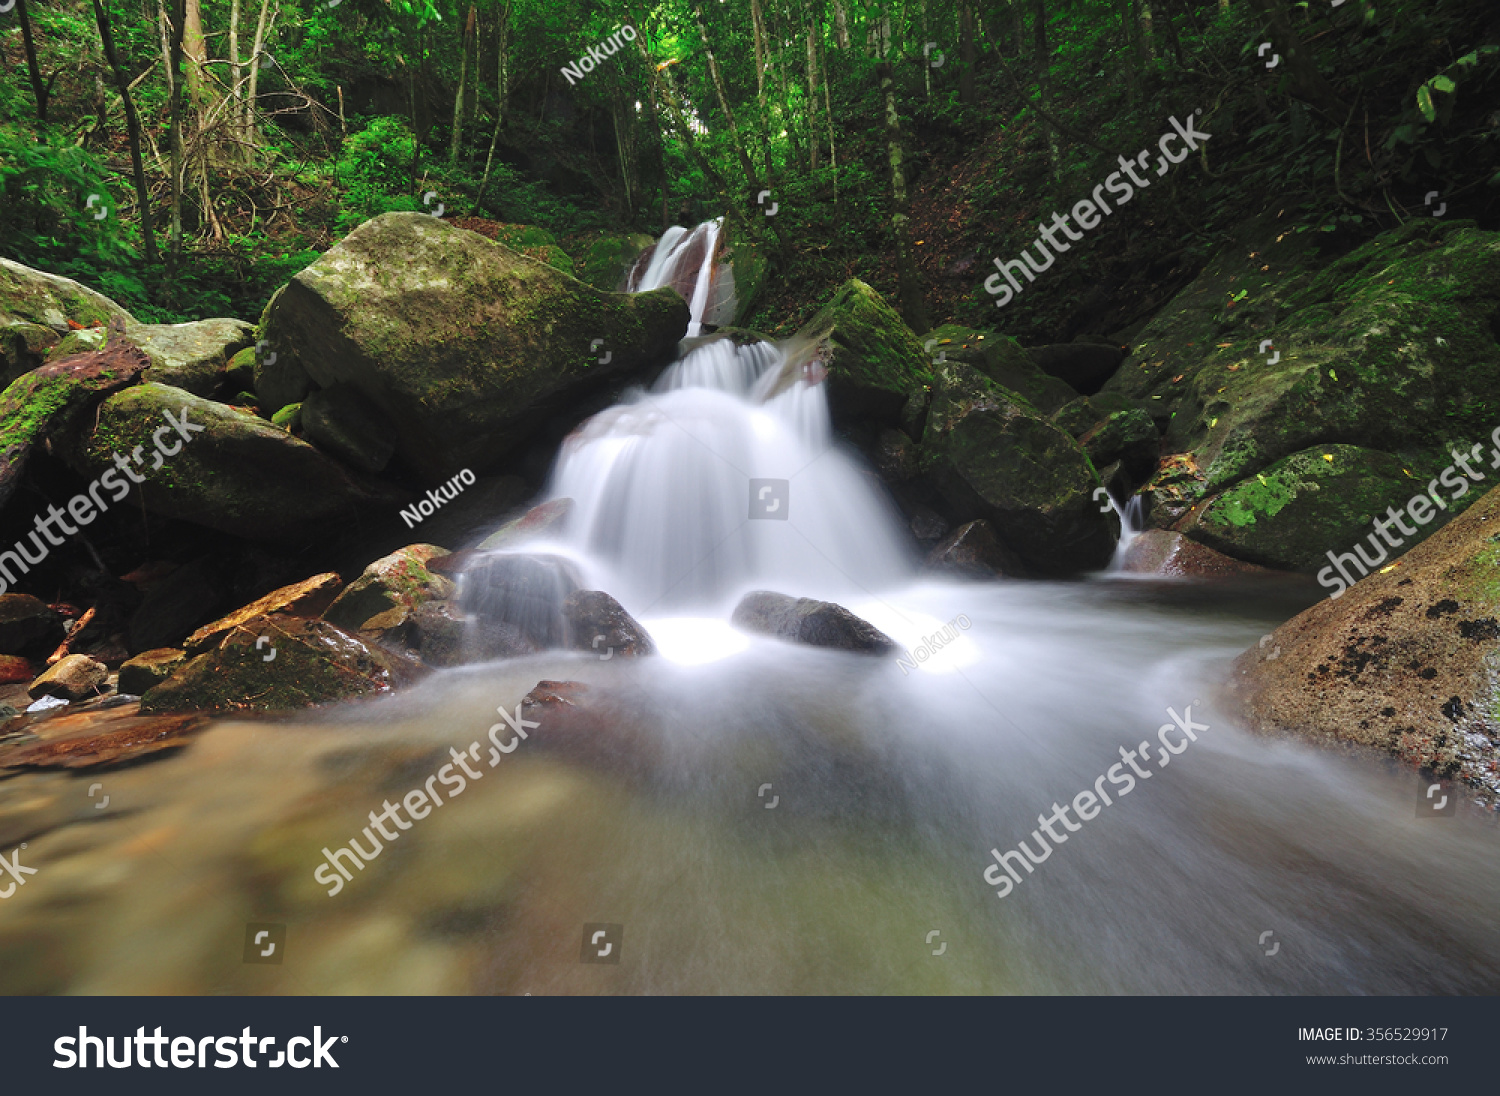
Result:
[
  {"x": 991, "y": 456},
  {"x": 308, "y": 598},
  {"x": 150, "y": 668},
  {"x": 239, "y": 475},
  {"x": 520, "y": 598},
  {"x": 399, "y": 580},
  {"x": 806, "y": 620},
  {"x": 1160, "y": 552},
  {"x": 306, "y": 662},
  {"x": 192, "y": 356},
  {"x": 28, "y": 626},
  {"x": 32, "y": 296},
  {"x": 340, "y": 421},
  {"x": 15, "y": 670},
  {"x": 859, "y": 347},
  {"x": 51, "y": 403},
  {"x": 547, "y": 519},
  {"x": 973, "y": 551},
  {"x": 607, "y": 728},
  {"x": 72, "y": 678},
  {"x": 460, "y": 342},
  {"x": 598, "y": 623},
  {"x": 1402, "y": 661}
]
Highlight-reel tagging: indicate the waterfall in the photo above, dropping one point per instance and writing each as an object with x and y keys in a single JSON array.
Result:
[{"x": 687, "y": 261}]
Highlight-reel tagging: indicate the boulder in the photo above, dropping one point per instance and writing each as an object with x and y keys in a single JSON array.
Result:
[
  {"x": 609, "y": 258},
  {"x": 465, "y": 345},
  {"x": 342, "y": 422},
  {"x": 547, "y": 519},
  {"x": 597, "y": 622},
  {"x": 806, "y": 620},
  {"x": 149, "y": 669},
  {"x": 297, "y": 663},
  {"x": 399, "y": 580},
  {"x": 869, "y": 359},
  {"x": 192, "y": 356},
  {"x": 530, "y": 240},
  {"x": 1128, "y": 436},
  {"x": 72, "y": 678},
  {"x": 973, "y": 551},
  {"x": 28, "y": 627},
  {"x": 1292, "y": 514},
  {"x": 308, "y": 598},
  {"x": 239, "y": 475},
  {"x": 1403, "y": 661},
  {"x": 1160, "y": 552},
  {"x": 14, "y": 671},
  {"x": 23, "y": 347},
  {"x": 239, "y": 375},
  {"x": 31, "y": 296},
  {"x": 991, "y": 456},
  {"x": 519, "y": 599},
  {"x": 52, "y": 401}
]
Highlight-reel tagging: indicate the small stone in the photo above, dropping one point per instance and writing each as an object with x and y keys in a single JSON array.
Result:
[
  {"x": 806, "y": 620},
  {"x": 150, "y": 668},
  {"x": 71, "y": 678},
  {"x": 14, "y": 669}
]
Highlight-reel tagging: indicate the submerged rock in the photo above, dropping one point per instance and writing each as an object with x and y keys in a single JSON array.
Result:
[
  {"x": 806, "y": 620},
  {"x": 1403, "y": 661},
  {"x": 517, "y": 600},
  {"x": 597, "y": 622},
  {"x": 304, "y": 662},
  {"x": 15, "y": 670},
  {"x": 461, "y": 343},
  {"x": 72, "y": 678}
]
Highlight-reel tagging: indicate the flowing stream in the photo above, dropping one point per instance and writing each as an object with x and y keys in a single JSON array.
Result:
[{"x": 785, "y": 819}]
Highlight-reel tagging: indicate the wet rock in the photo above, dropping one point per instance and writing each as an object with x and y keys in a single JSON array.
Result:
[
  {"x": 28, "y": 626},
  {"x": 51, "y": 403},
  {"x": 1083, "y": 367},
  {"x": 604, "y": 728},
  {"x": 806, "y": 620},
  {"x": 1403, "y": 661},
  {"x": 14, "y": 669},
  {"x": 72, "y": 678},
  {"x": 926, "y": 524},
  {"x": 1159, "y": 552},
  {"x": 869, "y": 359},
  {"x": 454, "y": 338},
  {"x": 991, "y": 456},
  {"x": 520, "y": 598},
  {"x": 608, "y": 259},
  {"x": 1128, "y": 436},
  {"x": 86, "y": 739},
  {"x": 308, "y": 598},
  {"x": 1304, "y": 505},
  {"x": 240, "y": 475},
  {"x": 896, "y": 458},
  {"x": 400, "y": 579},
  {"x": 973, "y": 551},
  {"x": 599, "y": 623},
  {"x": 342, "y": 422},
  {"x": 307, "y": 662},
  {"x": 149, "y": 669},
  {"x": 547, "y": 519},
  {"x": 438, "y": 630}
]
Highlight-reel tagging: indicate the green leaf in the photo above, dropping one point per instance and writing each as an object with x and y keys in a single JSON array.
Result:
[
  {"x": 1424, "y": 103},
  {"x": 1443, "y": 84}
]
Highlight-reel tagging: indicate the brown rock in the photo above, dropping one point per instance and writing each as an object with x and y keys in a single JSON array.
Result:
[
  {"x": 28, "y": 626},
  {"x": 1401, "y": 662},
  {"x": 806, "y": 620},
  {"x": 308, "y": 598},
  {"x": 14, "y": 669},
  {"x": 149, "y": 669},
  {"x": 81, "y": 740},
  {"x": 1160, "y": 552},
  {"x": 547, "y": 518},
  {"x": 71, "y": 678},
  {"x": 973, "y": 551},
  {"x": 608, "y": 728},
  {"x": 399, "y": 579}
]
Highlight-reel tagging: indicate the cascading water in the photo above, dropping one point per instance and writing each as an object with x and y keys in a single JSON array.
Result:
[{"x": 688, "y": 262}]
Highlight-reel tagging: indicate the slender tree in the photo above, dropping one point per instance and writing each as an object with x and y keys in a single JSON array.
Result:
[
  {"x": 41, "y": 90},
  {"x": 913, "y": 306},
  {"x": 133, "y": 126}
]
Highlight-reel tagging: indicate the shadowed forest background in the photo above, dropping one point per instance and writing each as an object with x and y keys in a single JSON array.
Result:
[{"x": 904, "y": 143}]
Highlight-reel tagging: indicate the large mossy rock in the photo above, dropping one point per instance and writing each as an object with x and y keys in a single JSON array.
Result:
[
  {"x": 23, "y": 347},
  {"x": 608, "y": 260},
  {"x": 193, "y": 356},
  {"x": 1000, "y": 358},
  {"x": 462, "y": 343},
  {"x": 239, "y": 475},
  {"x": 1404, "y": 661},
  {"x": 51, "y": 403},
  {"x": 1391, "y": 347},
  {"x": 991, "y": 456},
  {"x": 300, "y": 663},
  {"x": 859, "y": 347},
  {"x": 399, "y": 581},
  {"x": 31, "y": 296}
]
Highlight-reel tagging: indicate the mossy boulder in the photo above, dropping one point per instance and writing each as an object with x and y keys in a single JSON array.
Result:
[
  {"x": 1404, "y": 661},
  {"x": 305, "y": 662},
  {"x": 239, "y": 475},
  {"x": 1000, "y": 358},
  {"x": 32, "y": 296},
  {"x": 1390, "y": 347},
  {"x": 149, "y": 669},
  {"x": 342, "y": 422},
  {"x": 859, "y": 347},
  {"x": 51, "y": 403},
  {"x": 991, "y": 456},
  {"x": 464, "y": 344},
  {"x": 23, "y": 347},
  {"x": 609, "y": 258},
  {"x": 1303, "y": 506},
  {"x": 400, "y": 580},
  {"x": 193, "y": 356}
]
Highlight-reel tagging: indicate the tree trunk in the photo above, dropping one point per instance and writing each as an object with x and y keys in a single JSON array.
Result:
[
  {"x": 236, "y": 89},
  {"x": 718, "y": 81},
  {"x": 812, "y": 91},
  {"x": 195, "y": 49},
  {"x": 40, "y": 90},
  {"x": 967, "y": 53},
  {"x": 786, "y": 95},
  {"x": 1306, "y": 81},
  {"x": 1043, "y": 61},
  {"x": 502, "y": 89},
  {"x": 840, "y": 25},
  {"x": 463, "y": 75},
  {"x": 1147, "y": 40},
  {"x": 913, "y": 307},
  {"x": 758, "y": 29},
  {"x": 251, "y": 127},
  {"x": 172, "y": 43},
  {"x": 133, "y": 125},
  {"x": 833, "y": 156},
  {"x": 1130, "y": 56}
]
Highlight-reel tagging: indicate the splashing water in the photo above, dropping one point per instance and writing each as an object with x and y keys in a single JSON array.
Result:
[{"x": 686, "y": 261}]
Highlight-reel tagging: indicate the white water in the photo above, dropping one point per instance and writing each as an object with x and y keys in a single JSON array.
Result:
[{"x": 708, "y": 291}]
